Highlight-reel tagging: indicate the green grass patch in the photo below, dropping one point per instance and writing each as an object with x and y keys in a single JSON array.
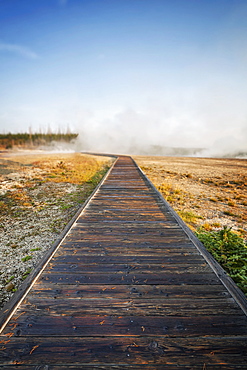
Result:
[
  {"x": 26, "y": 273},
  {"x": 26, "y": 258},
  {"x": 64, "y": 207},
  {"x": 97, "y": 177},
  {"x": 10, "y": 279},
  {"x": 230, "y": 250}
]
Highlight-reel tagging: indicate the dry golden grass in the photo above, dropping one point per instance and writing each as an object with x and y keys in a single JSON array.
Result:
[
  {"x": 74, "y": 168},
  {"x": 206, "y": 192},
  {"x": 29, "y": 171},
  {"x": 39, "y": 195}
]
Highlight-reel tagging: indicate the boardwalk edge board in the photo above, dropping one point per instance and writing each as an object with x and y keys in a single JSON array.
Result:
[
  {"x": 10, "y": 307},
  {"x": 226, "y": 280}
]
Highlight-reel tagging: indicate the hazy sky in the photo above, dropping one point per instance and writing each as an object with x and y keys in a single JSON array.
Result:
[{"x": 126, "y": 72}]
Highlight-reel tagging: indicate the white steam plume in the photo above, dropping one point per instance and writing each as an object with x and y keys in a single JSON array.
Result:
[{"x": 216, "y": 124}]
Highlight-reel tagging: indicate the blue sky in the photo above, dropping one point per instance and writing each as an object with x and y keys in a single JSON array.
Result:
[{"x": 126, "y": 72}]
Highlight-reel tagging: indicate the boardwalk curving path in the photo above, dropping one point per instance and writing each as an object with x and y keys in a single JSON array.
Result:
[{"x": 128, "y": 287}]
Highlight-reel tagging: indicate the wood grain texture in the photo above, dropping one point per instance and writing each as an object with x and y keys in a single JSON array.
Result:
[{"x": 127, "y": 288}]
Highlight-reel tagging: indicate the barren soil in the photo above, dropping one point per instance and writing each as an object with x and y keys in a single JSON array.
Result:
[
  {"x": 206, "y": 192},
  {"x": 39, "y": 194}
]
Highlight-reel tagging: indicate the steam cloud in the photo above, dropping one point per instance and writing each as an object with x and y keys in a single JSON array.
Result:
[
  {"x": 212, "y": 127},
  {"x": 203, "y": 106}
]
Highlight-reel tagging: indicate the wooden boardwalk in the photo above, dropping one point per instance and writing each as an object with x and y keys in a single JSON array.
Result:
[{"x": 128, "y": 287}]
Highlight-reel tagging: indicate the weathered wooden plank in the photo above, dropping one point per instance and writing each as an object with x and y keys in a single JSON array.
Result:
[
  {"x": 142, "y": 307},
  {"x": 136, "y": 195},
  {"x": 48, "y": 290},
  {"x": 113, "y": 208},
  {"x": 120, "y": 226},
  {"x": 131, "y": 208},
  {"x": 132, "y": 278},
  {"x": 127, "y": 212},
  {"x": 125, "y": 366},
  {"x": 125, "y": 350},
  {"x": 124, "y": 268},
  {"x": 178, "y": 258},
  {"x": 136, "y": 247},
  {"x": 130, "y": 238},
  {"x": 149, "y": 233},
  {"x": 128, "y": 249},
  {"x": 129, "y": 223},
  {"x": 116, "y": 214},
  {"x": 48, "y": 324},
  {"x": 109, "y": 217}
]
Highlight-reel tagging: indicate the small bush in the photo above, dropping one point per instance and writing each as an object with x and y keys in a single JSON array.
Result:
[{"x": 230, "y": 250}]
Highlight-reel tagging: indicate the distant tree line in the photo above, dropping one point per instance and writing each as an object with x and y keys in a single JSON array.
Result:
[{"x": 27, "y": 140}]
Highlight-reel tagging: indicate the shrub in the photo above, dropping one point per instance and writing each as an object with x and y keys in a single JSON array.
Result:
[{"x": 230, "y": 250}]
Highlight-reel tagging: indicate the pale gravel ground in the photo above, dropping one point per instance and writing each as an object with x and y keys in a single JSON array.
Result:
[{"x": 33, "y": 230}]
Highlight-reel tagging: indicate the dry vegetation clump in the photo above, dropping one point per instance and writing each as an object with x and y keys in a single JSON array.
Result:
[
  {"x": 74, "y": 168},
  {"x": 39, "y": 194}
]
